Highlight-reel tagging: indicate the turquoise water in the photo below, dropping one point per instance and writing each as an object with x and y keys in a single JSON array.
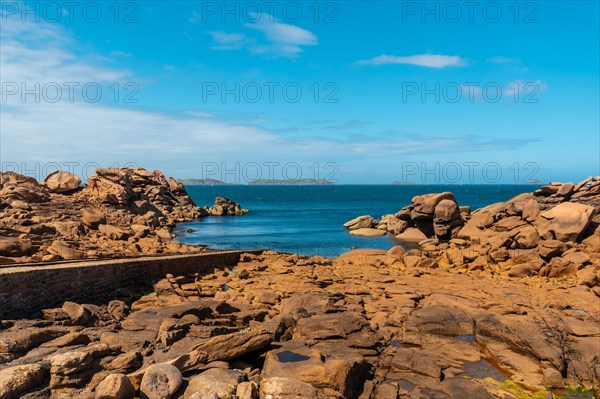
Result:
[{"x": 308, "y": 219}]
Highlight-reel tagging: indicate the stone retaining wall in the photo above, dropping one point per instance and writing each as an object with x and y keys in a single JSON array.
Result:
[{"x": 26, "y": 290}]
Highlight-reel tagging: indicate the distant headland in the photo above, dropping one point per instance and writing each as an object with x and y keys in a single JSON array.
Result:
[
  {"x": 204, "y": 182},
  {"x": 288, "y": 182}
]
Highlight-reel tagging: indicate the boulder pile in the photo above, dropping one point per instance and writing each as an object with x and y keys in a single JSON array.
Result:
[
  {"x": 429, "y": 215},
  {"x": 551, "y": 232},
  {"x": 118, "y": 212},
  {"x": 226, "y": 207}
]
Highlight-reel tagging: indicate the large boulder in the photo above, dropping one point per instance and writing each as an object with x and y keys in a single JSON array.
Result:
[
  {"x": 565, "y": 222},
  {"x": 222, "y": 381},
  {"x": 424, "y": 205},
  {"x": 411, "y": 235},
  {"x": 62, "y": 182},
  {"x": 330, "y": 366},
  {"x": 446, "y": 218},
  {"x": 160, "y": 381}
]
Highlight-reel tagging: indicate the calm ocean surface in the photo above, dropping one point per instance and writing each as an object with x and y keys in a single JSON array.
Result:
[{"x": 308, "y": 219}]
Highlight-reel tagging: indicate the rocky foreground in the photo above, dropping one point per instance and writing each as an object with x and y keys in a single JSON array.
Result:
[
  {"x": 364, "y": 325},
  {"x": 117, "y": 213},
  {"x": 502, "y": 303}
]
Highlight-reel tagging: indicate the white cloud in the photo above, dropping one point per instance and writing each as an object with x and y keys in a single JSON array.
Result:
[
  {"x": 424, "y": 60},
  {"x": 285, "y": 34},
  {"x": 282, "y": 40}
]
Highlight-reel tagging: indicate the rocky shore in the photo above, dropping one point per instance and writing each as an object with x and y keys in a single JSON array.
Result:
[
  {"x": 117, "y": 213},
  {"x": 501, "y": 303}
]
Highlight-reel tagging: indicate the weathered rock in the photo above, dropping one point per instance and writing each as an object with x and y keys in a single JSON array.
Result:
[
  {"x": 361, "y": 222},
  {"x": 527, "y": 237},
  {"x": 222, "y": 381},
  {"x": 531, "y": 210},
  {"x": 65, "y": 251},
  {"x": 77, "y": 313},
  {"x": 366, "y": 232},
  {"x": 411, "y": 235},
  {"x": 333, "y": 325},
  {"x": 62, "y": 182},
  {"x": 115, "y": 386},
  {"x": 564, "y": 222},
  {"x": 424, "y": 205},
  {"x": 10, "y": 246},
  {"x": 226, "y": 207},
  {"x": 17, "y": 380},
  {"x": 229, "y": 346},
  {"x": 93, "y": 218},
  {"x": 114, "y": 232},
  {"x": 160, "y": 381},
  {"x": 331, "y": 366},
  {"x": 565, "y": 190},
  {"x": 286, "y": 388}
]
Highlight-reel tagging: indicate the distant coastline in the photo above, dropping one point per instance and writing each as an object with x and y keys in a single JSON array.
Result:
[
  {"x": 289, "y": 182},
  {"x": 203, "y": 182}
]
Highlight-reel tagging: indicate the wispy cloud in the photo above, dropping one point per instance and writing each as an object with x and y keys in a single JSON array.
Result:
[
  {"x": 348, "y": 125},
  {"x": 503, "y": 60},
  {"x": 281, "y": 40},
  {"x": 424, "y": 60},
  {"x": 229, "y": 41}
]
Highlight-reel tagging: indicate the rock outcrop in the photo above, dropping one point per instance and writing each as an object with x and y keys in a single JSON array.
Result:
[
  {"x": 226, "y": 207},
  {"x": 433, "y": 215},
  {"x": 118, "y": 212}
]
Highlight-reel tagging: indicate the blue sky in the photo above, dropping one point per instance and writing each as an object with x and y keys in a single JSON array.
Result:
[{"x": 427, "y": 92}]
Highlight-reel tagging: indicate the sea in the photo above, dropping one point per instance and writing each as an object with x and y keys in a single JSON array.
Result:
[{"x": 308, "y": 219}]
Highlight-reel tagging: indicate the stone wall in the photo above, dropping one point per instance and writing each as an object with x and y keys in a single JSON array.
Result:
[{"x": 25, "y": 290}]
